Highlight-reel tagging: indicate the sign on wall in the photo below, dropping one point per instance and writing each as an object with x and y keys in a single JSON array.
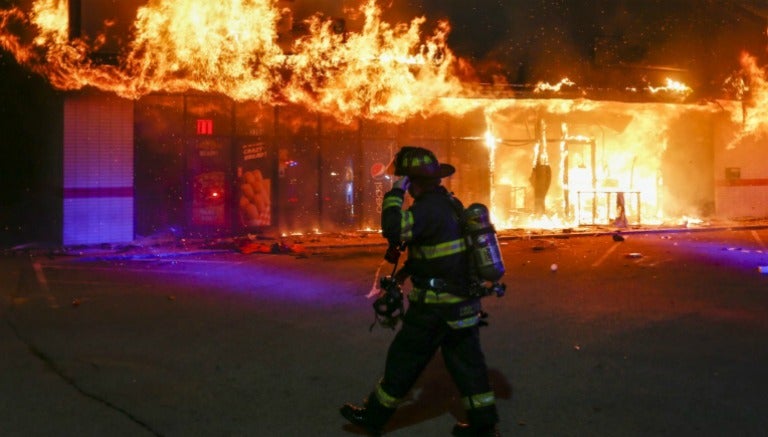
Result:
[{"x": 255, "y": 185}]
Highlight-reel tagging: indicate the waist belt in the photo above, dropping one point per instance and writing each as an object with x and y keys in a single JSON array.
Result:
[
  {"x": 428, "y": 296},
  {"x": 457, "y": 311}
]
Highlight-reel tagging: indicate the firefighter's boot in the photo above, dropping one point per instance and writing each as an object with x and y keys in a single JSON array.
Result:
[
  {"x": 371, "y": 416},
  {"x": 482, "y": 423}
]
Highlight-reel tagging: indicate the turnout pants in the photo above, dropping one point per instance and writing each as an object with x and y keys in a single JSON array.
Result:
[{"x": 425, "y": 330}]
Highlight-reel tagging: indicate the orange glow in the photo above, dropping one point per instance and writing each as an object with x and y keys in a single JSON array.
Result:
[
  {"x": 392, "y": 73},
  {"x": 609, "y": 148},
  {"x": 752, "y": 89},
  {"x": 231, "y": 47},
  {"x": 671, "y": 87},
  {"x": 545, "y": 86},
  {"x": 490, "y": 140},
  {"x": 384, "y": 71}
]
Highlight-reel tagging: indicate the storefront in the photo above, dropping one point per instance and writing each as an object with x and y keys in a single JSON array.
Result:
[
  {"x": 209, "y": 166},
  {"x": 206, "y": 166}
]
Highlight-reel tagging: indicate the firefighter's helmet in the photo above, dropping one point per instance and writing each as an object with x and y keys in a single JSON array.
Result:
[{"x": 418, "y": 162}]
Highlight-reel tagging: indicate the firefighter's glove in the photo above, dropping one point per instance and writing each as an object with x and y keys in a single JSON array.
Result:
[
  {"x": 393, "y": 254},
  {"x": 402, "y": 184}
]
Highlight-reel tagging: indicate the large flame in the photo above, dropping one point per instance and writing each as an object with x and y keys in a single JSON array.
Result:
[
  {"x": 223, "y": 47},
  {"x": 750, "y": 86},
  {"x": 381, "y": 71},
  {"x": 231, "y": 47},
  {"x": 48, "y": 51}
]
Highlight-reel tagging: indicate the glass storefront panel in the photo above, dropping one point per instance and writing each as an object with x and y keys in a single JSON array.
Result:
[
  {"x": 380, "y": 143},
  {"x": 159, "y": 165},
  {"x": 208, "y": 166},
  {"x": 209, "y": 194},
  {"x": 254, "y": 184},
  {"x": 468, "y": 152},
  {"x": 298, "y": 160},
  {"x": 341, "y": 180},
  {"x": 256, "y": 163},
  {"x": 378, "y": 154}
]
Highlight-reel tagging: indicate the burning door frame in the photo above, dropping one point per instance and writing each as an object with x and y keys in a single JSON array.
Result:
[{"x": 660, "y": 156}]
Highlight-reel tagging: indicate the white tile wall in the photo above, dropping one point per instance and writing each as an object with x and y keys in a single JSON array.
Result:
[{"x": 98, "y": 169}]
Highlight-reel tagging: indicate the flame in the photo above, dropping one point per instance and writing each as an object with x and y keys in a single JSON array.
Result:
[
  {"x": 231, "y": 47},
  {"x": 223, "y": 47},
  {"x": 672, "y": 87},
  {"x": 602, "y": 161},
  {"x": 384, "y": 71},
  {"x": 490, "y": 143},
  {"x": 49, "y": 52},
  {"x": 545, "y": 86},
  {"x": 490, "y": 140},
  {"x": 751, "y": 87}
]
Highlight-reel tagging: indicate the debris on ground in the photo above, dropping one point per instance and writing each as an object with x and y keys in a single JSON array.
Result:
[{"x": 248, "y": 247}]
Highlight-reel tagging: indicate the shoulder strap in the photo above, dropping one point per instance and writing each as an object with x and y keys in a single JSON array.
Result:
[{"x": 458, "y": 209}]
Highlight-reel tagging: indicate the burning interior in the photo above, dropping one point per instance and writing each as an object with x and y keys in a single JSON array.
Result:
[{"x": 247, "y": 115}]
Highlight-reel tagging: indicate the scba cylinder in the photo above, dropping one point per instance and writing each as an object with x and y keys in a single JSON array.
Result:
[{"x": 484, "y": 245}]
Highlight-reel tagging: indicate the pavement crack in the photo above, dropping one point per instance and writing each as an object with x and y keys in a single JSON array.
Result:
[{"x": 51, "y": 365}]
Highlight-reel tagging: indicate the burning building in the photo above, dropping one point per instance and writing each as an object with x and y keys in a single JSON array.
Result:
[{"x": 243, "y": 116}]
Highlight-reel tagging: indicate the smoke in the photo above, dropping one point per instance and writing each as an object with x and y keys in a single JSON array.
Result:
[{"x": 603, "y": 43}]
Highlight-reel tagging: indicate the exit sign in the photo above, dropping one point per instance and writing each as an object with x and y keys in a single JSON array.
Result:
[{"x": 204, "y": 127}]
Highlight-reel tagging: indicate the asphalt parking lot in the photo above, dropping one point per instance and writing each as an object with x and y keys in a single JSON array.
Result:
[{"x": 658, "y": 334}]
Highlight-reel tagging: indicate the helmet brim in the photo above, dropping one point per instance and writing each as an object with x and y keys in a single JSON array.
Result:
[{"x": 446, "y": 170}]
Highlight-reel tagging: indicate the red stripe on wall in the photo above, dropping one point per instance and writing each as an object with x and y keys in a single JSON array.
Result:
[
  {"x": 81, "y": 193},
  {"x": 742, "y": 182}
]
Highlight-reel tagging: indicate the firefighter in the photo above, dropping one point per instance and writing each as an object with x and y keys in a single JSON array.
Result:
[{"x": 441, "y": 314}]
